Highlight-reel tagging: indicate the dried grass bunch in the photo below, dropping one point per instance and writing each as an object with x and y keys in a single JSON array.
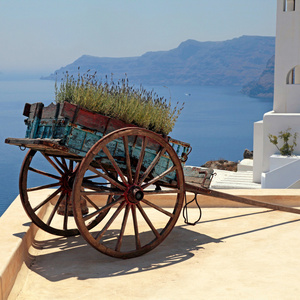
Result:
[{"x": 119, "y": 100}]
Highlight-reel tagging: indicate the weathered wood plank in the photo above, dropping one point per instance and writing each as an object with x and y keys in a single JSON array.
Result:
[
  {"x": 74, "y": 130},
  {"x": 50, "y": 145},
  {"x": 198, "y": 175}
]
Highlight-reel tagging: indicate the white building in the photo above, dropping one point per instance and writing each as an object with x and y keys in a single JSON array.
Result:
[{"x": 271, "y": 171}]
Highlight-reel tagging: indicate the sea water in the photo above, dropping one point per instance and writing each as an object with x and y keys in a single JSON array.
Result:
[{"x": 216, "y": 121}]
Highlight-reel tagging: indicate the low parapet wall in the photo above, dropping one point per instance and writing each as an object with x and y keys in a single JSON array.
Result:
[
  {"x": 17, "y": 233},
  {"x": 16, "y": 236}
]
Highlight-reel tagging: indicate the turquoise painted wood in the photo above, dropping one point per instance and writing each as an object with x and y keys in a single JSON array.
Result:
[{"x": 79, "y": 129}]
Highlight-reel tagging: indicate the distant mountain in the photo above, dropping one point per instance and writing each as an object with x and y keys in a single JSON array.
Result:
[
  {"x": 232, "y": 62},
  {"x": 263, "y": 87}
]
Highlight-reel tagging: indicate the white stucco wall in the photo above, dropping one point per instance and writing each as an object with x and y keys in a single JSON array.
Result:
[
  {"x": 287, "y": 56},
  {"x": 284, "y": 173},
  {"x": 286, "y": 104},
  {"x": 257, "y": 151},
  {"x": 292, "y": 98},
  {"x": 273, "y": 123}
]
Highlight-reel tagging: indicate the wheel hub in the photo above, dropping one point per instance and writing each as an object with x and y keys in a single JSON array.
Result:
[
  {"x": 134, "y": 194},
  {"x": 67, "y": 181}
]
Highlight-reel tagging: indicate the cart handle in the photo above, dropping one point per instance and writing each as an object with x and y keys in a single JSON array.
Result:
[{"x": 206, "y": 191}]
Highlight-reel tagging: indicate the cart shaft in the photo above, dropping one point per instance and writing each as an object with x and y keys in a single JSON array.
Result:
[{"x": 204, "y": 191}]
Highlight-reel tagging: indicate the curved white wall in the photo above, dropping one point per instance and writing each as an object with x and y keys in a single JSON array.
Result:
[
  {"x": 286, "y": 105},
  {"x": 287, "y": 54}
]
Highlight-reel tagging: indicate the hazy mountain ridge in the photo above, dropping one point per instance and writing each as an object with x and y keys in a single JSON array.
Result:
[
  {"x": 263, "y": 87},
  {"x": 232, "y": 62}
]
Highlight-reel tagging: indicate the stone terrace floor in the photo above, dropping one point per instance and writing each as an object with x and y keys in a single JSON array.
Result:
[{"x": 233, "y": 253}]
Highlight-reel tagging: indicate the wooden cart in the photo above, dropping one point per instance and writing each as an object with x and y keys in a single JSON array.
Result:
[{"x": 106, "y": 180}]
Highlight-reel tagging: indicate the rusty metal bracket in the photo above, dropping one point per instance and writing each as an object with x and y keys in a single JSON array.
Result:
[{"x": 185, "y": 210}]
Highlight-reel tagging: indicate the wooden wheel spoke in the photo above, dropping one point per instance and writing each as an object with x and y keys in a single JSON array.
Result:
[
  {"x": 158, "y": 208},
  {"x": 161, "y": 192},
  {"x": 61, "y": 197},
  {"x": 128, "y": 160},
  {"x": 156, "y": 233},
  {"x": 44, "y": 173},
  {"x": 100, "y": 188},
  {"x": 61, "y": 165},
  {"x": 65, "y": 226},
  {"x": 108, "y": 178},
  {"x": 124, "y": 222},
  {"x": 115, "y": 165},
  {"x": 63, "y": 160},
  {"x": 155, "y": 179},
  {"x": 90, "y": 201},
  {"x": 103, "y": 209},
  {"x": 76, "y": 167},
  {"x": 110, "y": 221},
  {"x": 71, "y": 165},
  {"x": 152, "y": 165},
  {"x": 102, "y": 193},
  {"x": 46, "y": 186},
  {"x": 92, "y": 177},
  {"x": 136, "y": 228},
  {"x": 140, "y": 161},
  {"x": 102, "y": 167},
  {"x": 53, "y": 164},
  {"x": 47, "y": 199}
]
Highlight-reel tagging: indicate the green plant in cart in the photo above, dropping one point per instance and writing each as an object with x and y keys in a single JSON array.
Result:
[
  {"x": 287, "y": 147},
  {"x": 119, "y": 100}
]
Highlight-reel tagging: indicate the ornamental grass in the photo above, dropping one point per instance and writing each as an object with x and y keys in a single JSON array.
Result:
[{"x": 119, "y": 100}]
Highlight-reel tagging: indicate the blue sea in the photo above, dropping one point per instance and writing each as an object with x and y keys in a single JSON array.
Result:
[{"x": 216, "y": 121}]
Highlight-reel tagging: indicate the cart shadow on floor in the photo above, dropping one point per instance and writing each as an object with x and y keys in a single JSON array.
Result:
[
  {"x": 61, "y": 258},
  {"x": 237, "y": 216},
  {"x": 247, "y": 215}
]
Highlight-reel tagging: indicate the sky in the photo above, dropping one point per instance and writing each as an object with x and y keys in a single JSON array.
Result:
[{"x": 40, "y": 36}]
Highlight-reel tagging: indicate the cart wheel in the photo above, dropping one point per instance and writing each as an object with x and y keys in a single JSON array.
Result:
[
  {"x": 141, "y": 213},
  {"x": 48, "y": 179}
]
